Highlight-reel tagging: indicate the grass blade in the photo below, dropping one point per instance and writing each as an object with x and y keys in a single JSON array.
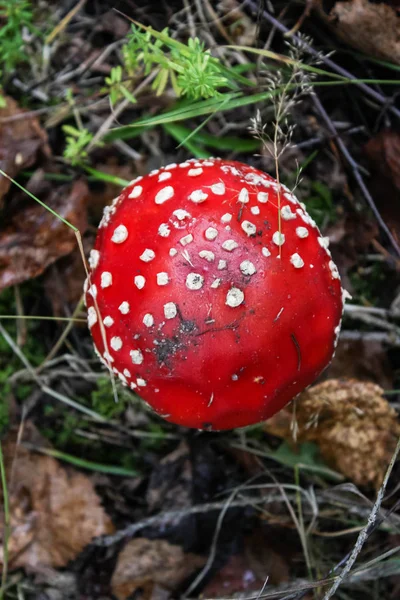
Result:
[
  {"x": 53, "y": 212},
  {"x": 6, "y": 530},
  {"x": 100, "y": 176},
  {"x": 85, "y": 464},
  {"x": 181, "y": 136}
]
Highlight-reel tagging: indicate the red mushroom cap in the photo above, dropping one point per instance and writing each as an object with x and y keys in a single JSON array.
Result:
[{"x": 212, "y": 308}]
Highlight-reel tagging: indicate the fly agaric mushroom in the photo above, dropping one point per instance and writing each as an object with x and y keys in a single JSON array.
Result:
[{"x": 212, "y": 293}]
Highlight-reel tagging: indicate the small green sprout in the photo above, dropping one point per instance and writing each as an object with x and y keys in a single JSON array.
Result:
[
  {"x": 76, "y": 143},
  {"x": 199, "y": 73},
  {"x": 191, "y": 70},
  {"x": 15, "y": 17},
  {"x": 116, "y": 87}
]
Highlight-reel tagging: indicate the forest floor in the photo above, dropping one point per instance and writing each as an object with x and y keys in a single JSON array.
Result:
[{"x": 106, "y": 500}]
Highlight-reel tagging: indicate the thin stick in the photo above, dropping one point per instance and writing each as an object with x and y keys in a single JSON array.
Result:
[
  {"x": 213, "y": 549},
  {"x": 120, "y": 109},
  {"x": 173, "y": 515},
  {"x": 325, "y": 59},
  {"x": 356, "y": 171},
  {"x": 21, "y": 325},
  {"x": 365, "y": 532},
  {"x": 62, "y": 338},
  {"x": 82, "y": 253},
  {"x": 41, "y": 318},
  {"x": 45, "y": 389},
  {"x": 64, "y": 22},
  {"x": 6, "y": 530}
]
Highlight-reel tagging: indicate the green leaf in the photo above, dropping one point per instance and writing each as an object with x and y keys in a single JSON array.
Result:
[
  {"x": 87, "y": 464},
  {"x": 101, "y": 176},
  {"x": 71, "y": 130},
  {"x": 127, "y": 94},
  {"x": 180, "y": 137},
  {"x": 231, "y": 143},
  {"x": 191, "y": 110},
  {"x": 307, "y": 457}
]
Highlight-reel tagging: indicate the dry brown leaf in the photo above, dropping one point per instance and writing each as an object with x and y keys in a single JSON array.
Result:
[
  {"x": 365, "y": 360},
  {"x": 355, "y": 428},
  {"x": 266, "y": 555},
  {"x": 373, "y": 28},
  {"x": 113, "y": 23},
  {"x": 235, "y": 577},
  {"x": 144, "y": 564},
  {"x": 383, "y": 152},
  {"x": 55, "y": 512},
  {"x": 351, "y": 237},
  {"x": 20, "y": 142},
  {"x": 63, "y": 279},
  {"x": 31, "y": 238}
]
